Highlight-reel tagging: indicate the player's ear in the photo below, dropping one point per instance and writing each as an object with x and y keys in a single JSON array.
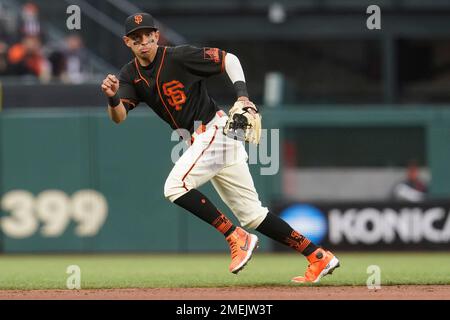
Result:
[
  {"x": 127, "y": 41},
  {"x": 157, "y": 36}
]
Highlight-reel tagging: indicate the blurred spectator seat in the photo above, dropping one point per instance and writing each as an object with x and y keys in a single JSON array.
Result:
[
  {"x": 412, "y": 189},
  {"x": 69, "y": 63},
  {"x": 26, "y": 58},
  {"x": 30, "y": 22}
]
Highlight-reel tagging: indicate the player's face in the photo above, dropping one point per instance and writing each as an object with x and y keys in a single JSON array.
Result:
[{"x": 143, "y": 42}]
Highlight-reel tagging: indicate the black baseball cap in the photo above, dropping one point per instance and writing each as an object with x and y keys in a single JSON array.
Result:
[{"x": 139, "y": 21}]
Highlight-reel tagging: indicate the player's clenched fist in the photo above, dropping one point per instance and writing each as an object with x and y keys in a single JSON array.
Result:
[{"x": 110, "y": 85}]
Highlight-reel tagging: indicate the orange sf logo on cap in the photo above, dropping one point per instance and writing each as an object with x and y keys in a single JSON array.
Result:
[{"x": 138, "y": 19}]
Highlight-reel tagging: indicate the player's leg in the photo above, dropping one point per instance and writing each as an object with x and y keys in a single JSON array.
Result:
[
  {"x": 190, "y": 172},
  {"x": 197, "y": 166},
  {"x": 236, "y": 188}
]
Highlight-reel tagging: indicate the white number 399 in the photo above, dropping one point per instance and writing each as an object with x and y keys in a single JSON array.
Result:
[{"x": 54, "y": 209}]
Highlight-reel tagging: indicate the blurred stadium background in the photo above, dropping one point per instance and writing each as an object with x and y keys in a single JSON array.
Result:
[{"x": 364, "y": 119}]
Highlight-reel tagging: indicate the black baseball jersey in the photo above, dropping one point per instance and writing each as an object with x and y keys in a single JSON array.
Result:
[{"x": 173, "y": 84}]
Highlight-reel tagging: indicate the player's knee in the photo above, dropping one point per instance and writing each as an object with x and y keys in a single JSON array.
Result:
[
  {"x": 253, "y": 218},
  {"x": 173, "y": 190},
  {"x": 254, "y": 222}
]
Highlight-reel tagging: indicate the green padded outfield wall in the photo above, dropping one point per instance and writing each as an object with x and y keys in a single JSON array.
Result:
[
  {"x": 75, "y": 181},
  {"x": 50, "y": 158}
]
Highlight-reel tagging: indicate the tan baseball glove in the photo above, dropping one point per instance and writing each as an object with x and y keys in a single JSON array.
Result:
[{"x": 244, "y": 122}]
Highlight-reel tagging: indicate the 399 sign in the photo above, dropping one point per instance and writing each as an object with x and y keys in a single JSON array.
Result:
[{"x": 52, "y": 211}]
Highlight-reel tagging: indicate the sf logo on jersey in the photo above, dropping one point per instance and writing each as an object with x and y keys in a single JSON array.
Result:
[{"x": 174, "y": 91}]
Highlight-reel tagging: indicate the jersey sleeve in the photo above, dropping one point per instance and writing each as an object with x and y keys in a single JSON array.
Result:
[
  {"x": 202, "y": 62},
  {"x": 127, "y": 92}
]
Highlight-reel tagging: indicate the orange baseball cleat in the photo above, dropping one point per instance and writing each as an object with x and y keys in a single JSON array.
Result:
[
  {"x": 321, "y": 263},
  {"x": 242, "y": 245}
]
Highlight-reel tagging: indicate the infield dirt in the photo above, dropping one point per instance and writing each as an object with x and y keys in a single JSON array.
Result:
[{"x": 410, "y": 292}]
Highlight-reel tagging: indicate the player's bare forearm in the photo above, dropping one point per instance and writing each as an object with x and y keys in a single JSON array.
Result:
[
  {"x": 116, "y": 109},
  {"x": 117, "y": 114}
]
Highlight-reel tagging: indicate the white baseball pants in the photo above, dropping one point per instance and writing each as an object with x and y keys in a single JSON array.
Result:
[{"x": 223, "y": 161}]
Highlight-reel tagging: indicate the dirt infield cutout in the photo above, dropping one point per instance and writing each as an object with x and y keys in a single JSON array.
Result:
[{"x": 410, "y": 292}]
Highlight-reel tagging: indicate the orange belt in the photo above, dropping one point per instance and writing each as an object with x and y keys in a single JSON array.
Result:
[{"x": 202, "y": 127}]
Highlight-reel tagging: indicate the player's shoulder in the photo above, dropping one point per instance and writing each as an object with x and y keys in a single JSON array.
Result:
[
  {"x": 181, "y": 51},
  {"x": 128, "y": 70},
  {"x": 128, "y": 67}
]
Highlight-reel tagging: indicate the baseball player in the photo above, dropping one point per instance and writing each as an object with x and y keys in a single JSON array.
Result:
[{"x": 170, "y": 80}]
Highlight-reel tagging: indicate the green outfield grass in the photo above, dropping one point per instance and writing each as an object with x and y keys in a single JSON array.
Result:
[{"x": 211, "y": 270}]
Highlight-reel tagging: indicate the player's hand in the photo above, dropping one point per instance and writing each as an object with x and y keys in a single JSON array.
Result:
[
  {"x": 251, "y": 106},
  {"x": 110, "y": 85},
  {"x": 244, "y": 122}
]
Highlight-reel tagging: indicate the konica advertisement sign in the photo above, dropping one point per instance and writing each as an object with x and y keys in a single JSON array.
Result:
[{"x": 375, "y": 226}]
